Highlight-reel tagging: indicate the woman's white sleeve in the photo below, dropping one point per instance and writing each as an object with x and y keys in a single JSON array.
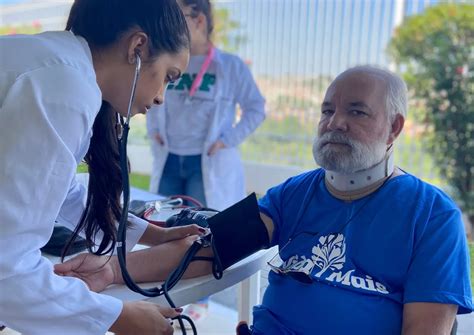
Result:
[
  {"x": 135, "y": 230},
  {"x": 251, "y": 102},
  {"x": 73, "y": 206},
  {"x": 44, "y": 115}
]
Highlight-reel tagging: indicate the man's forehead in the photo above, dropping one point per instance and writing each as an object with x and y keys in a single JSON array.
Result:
[{"x": 357, "y": 86}]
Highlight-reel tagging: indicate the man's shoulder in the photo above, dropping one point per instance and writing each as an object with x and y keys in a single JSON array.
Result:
[
  {"x": 418, "y": 191},
  {"x": 297, "y": 183}
]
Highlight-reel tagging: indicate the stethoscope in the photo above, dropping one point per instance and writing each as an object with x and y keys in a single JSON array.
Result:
[{"x": 124, "y": 126}]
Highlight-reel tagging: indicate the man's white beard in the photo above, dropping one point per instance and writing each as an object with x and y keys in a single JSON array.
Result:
[{"x": 357, "y": 157}]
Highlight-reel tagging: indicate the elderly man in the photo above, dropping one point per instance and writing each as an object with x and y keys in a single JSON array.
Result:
[
  {"x": 365, "y": 248},
  {"x": 386, "y": 252}
]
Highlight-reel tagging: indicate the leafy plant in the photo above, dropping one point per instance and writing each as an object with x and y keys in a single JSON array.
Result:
[
  {"x": 225, "y": 28},
  {"x": 435, "y": 50}
]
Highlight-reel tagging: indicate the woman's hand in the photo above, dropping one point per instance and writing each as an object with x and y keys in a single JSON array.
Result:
[
  {"x": 177, "y": 233},
  {"x": 159, "y": 139},
  {"x": 155, "y": 235},
  {"x": 145, "y": 265},
  {"x": 140, "y": 317},
  {"x": 97, "y": 272},
  {"x": 216, "y": 147}
]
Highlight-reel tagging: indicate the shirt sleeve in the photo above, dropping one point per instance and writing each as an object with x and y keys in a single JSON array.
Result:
[
  {"x": 284, "y": 203},
  {"x": 439, "y": 272},
  {"x": 74, "y": 205},
  {"x": 46, "y": 113},
  {"x": 135, "y": 230},
  {"x": 252, "y": 105},
  {"x": 270, "y": 205}
]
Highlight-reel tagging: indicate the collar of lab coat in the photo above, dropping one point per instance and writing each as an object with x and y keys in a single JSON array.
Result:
[{"x": 218, "y": 56}]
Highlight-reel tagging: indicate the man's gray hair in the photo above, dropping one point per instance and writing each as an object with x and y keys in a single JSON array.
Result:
[{"x": 396, "y": 102}]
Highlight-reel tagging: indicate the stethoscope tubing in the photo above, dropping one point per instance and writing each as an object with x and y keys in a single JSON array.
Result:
[{"x": 122, "y": 228}]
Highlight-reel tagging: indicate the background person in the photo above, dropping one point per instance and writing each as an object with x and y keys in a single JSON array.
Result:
[{"x": 194, "y": 140}]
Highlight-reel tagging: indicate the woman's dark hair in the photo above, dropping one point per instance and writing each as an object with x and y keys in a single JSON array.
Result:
[
  {"x": 201, "y": 6},
  {"x": 103, "y": 207},
  {"x": 103, "y": 22}
]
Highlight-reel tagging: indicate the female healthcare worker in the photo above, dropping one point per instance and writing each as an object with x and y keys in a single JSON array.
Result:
[
  {"x": 51, "y": 88},
  {"x": 194, "y": 138}
]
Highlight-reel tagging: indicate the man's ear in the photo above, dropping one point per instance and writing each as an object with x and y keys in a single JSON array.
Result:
[
  {"x": 396, "y": 128},
  {"x": 137, "y": 43}
]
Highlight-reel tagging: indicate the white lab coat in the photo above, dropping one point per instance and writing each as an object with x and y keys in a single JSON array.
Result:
[
  {"x": 223, "y": 175},
  {"x": 48, "y": 101}
]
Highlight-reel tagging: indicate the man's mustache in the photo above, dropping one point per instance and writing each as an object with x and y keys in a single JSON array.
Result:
[{"x": 334, "y": 137}]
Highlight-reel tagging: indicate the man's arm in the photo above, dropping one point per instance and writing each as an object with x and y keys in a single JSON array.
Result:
[
  {"x": 157, "y": 262},
  {"x": 167, "y": 256},
  {"x": 147, "y": 265},
  {"x": 428, "y": 318},
  {"x": 154, "y": 235},
  {"x": 268, "y": 224}
]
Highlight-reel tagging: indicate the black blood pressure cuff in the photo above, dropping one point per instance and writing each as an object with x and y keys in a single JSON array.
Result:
[{"x": 237, "y": 232}]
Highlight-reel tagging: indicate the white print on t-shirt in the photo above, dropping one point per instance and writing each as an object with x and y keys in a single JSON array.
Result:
[{"x": 330, "y": 255}]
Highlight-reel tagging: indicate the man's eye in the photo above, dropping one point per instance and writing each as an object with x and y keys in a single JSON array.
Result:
[
  {"x": 357, "y": 112},
  {"x": 327, "y": 111}
]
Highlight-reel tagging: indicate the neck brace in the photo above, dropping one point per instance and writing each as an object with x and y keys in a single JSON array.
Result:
[{"x": 356, "y": 185}]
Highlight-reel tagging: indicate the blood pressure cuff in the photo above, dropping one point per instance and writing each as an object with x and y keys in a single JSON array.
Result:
[{"x": 237, "y": 232}]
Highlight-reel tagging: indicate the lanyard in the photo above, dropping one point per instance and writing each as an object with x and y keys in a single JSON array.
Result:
[{"x": 198, "y": 80}]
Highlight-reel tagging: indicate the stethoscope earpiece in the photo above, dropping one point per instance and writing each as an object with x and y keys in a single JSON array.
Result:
[{"x": 137, "y": 56}]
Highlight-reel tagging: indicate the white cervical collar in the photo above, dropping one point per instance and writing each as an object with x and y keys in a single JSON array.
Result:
[{"x": 362, "y": 179}]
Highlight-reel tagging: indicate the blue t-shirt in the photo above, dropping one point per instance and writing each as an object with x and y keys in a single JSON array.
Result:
[{"x": 404, "y": 243}]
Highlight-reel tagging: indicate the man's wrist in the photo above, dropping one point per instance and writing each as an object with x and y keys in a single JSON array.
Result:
[{"x": 117, "y": 273}]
